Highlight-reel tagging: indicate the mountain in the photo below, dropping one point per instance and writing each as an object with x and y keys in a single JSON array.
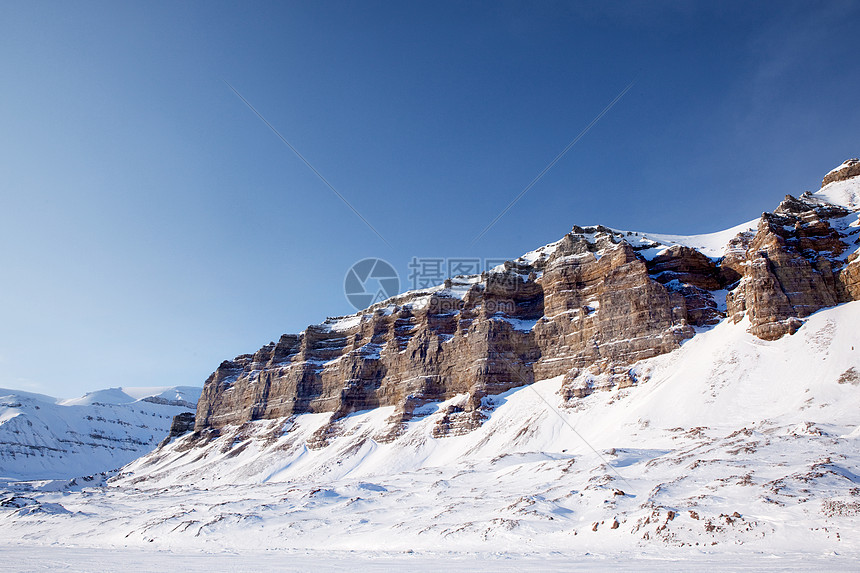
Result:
[
  {"x": 45, "y": 438},
  {"x": 731, "y": 440},
  {"x": 614, "y": 392},
  {"x": 587, "y": 307}
]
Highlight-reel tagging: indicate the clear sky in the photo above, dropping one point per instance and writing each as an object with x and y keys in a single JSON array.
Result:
[{"x": 152, "y": 226}]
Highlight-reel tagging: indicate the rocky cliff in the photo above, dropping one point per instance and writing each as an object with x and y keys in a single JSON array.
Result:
[
  {"x": 586, "y": 307},
  {"x": 798, "y": 262}
]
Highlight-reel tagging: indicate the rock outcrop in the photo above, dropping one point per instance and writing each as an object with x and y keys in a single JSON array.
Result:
[
  {"x": 586, "y": 307},
  {"x": 849, "y": 169},
  {"x": 587, "y": 301},
  {"x": 794, "y": 266},
  {"x": 182, "y": 424}
]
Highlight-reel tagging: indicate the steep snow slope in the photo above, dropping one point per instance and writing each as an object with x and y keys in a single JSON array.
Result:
[
  {"x": 709, "y": 244},
  {"x": 45, "y": 438},
  {"x": 730, "y": 440},
  {"x": 845, "y": 193}
]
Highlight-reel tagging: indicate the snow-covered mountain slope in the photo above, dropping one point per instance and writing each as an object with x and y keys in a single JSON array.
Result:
[
  {"x": 845, "y": 193},
  {"x": 749, "y": 444},
  {"x": 46, "y": 438},
  {"x": 185, "y": 396}
]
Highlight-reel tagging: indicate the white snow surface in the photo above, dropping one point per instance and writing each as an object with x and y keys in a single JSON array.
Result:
[
  {"x": 47, "y": 438},
  {"x": 127, "y": 395},
  {"x": 844, "y": 193},
  {"x": 709, "y": 244},
  {"x": 727, "y": 450},
  {"x": 123, "y": 560}
]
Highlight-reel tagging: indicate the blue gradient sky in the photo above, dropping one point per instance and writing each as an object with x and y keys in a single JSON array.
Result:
[{"x": 152, "y": 226}]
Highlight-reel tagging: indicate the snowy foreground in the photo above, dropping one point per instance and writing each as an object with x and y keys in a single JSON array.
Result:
[
  {"x": 731, "y": 453},
  {"x": 124, "y": 560}
]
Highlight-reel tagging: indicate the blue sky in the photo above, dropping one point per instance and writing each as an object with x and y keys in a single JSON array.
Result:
[{"x": 153, "y": 226}]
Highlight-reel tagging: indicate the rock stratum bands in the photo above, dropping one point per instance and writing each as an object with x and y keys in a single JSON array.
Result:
[{"x": 586, "y": 307}]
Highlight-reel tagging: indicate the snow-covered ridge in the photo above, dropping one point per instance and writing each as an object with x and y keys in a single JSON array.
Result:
[
  {"x": 415, "y": 299},
  {"x": 846, "y": 163},
  {"x": 649, "y": 245},
  {"x": 712, "y": 245},
  {"x": 127, "y": 395},
  {"x": 42, "y": 437}
]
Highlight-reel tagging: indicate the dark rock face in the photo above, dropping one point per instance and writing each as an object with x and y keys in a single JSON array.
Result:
[
  {"x": 182, "y": 424},
  {"x": 692, "y": 274},
  {"x": 686, "y": 265},
  {"x": 586, "y": 307}
]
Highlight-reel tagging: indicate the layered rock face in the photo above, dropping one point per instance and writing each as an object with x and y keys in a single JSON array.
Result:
[
  {"x": 794, "y": 266},
  {"x": 849, "y": 169},
  {"x": 587, "y": 301},
  {"x": 587, "y": 307}
]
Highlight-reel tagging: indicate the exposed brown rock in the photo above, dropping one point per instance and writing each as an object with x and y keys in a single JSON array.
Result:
[
  {"x": 791, "y": 267},
  {"x": 587, "y": 307},
  {"x": 686, "y": 265},
  {"x": 690, "y": 273},
  {"x": 603, "y": 311},
  {"x": 594, "y": 305},
  {"x": 182, "y": 424},
  {"x": 735, "y": 259},
  {"x": 849, "y": 281},
  {"x": 850, "y": 376},
  {"x": 850, "y": 168}
]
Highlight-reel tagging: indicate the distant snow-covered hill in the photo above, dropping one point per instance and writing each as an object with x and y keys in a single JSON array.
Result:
[{"x": 45, "y": 438}]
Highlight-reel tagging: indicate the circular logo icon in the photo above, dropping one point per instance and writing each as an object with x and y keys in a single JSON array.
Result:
[{"x": 370, "y": 281}]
